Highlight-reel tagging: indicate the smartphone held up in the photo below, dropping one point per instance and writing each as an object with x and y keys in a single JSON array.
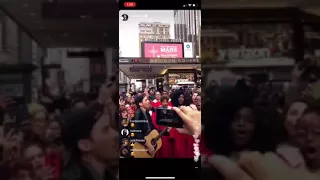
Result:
[{"x": 168, "y": 117}]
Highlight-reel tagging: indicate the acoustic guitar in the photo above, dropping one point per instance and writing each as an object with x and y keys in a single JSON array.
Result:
[{"x": 154, "y": 138}]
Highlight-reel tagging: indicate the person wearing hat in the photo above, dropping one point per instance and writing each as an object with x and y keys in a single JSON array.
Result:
[{"x": 92, "y": 140}]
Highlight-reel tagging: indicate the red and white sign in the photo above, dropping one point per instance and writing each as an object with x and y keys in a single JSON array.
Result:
[{"x": 163, "y": 50}]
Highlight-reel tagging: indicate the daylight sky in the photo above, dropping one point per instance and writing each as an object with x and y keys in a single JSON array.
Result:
[{"x": 129, "y": 30}]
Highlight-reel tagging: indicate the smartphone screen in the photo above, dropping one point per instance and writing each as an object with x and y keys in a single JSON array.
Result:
[
  {"x": 168, "y": 117},
  {"x": 159, "y": 50}
]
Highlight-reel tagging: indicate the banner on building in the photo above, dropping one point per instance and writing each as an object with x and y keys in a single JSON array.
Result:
[
  {"x": 188, "y": 50},
  {"x": 159, "y": 61},
  {"x": 162, "y": 50}
]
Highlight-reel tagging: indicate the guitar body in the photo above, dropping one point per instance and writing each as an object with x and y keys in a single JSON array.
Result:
[{"x": 140, "y": 151}]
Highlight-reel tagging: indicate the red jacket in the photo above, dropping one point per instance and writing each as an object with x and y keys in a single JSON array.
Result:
[
  {"x": 155, "y": 103},
  {"x": 176, "y": 145}
]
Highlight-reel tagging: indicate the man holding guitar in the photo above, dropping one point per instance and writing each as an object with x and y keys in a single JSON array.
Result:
[{"x": 142, "y": 113}]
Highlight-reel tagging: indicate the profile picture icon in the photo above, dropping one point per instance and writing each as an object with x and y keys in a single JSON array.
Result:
[
  {"x": 125, "y": 122},
  {"x": 124, "y": 151},
  {"x": 125, "y": 142},
  {"x": 132, "y": 125},
  {"x": 124, "y": 132}
]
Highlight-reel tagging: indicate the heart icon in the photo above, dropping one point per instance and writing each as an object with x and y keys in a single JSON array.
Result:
[
  {"x": 195, "y": 136},
  {"x": 196, "y": 159},
  {"x": 197, "y": 141},
  {"x": 196, "y": 153},
  {"x": 196, "y": 149}
]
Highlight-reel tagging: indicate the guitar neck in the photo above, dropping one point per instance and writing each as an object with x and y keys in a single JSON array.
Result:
[{"x": 161, "y": 134}]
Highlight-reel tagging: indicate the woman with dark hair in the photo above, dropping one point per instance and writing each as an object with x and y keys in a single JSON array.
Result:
[
  {"x": 182, "y": 143},
  {"x": 235, "y": 126},
  {"x": 180, "y": 98}
]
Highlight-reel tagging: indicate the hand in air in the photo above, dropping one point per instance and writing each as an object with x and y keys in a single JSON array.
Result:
[
  {"x": 191, "y": 119},
  {"x": 107, "y": 90}
]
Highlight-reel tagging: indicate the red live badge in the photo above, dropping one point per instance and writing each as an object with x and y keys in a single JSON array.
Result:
[{"x": 130, "y": 4}]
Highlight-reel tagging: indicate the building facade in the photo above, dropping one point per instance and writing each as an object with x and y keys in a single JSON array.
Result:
[
  {"x": 124, "y": 82},
  {"x": 81, "y": 71},
  {"x": 186, "y": 27},
  {"x": 155, "y": 32},
  {"x": 20, "y": 55}
]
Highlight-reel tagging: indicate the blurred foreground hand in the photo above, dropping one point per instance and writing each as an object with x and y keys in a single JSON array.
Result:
[
  {"x": 191, "y": 119},
  {"x": 256, "y": 166}
]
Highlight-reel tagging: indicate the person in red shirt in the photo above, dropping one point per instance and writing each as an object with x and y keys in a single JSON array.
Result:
[
  {"x": 166, "y": 94},
  {"x": 166, "y": 150},
  {"x": 183, "y": 144},
  {"x": 157, "y": 101}
]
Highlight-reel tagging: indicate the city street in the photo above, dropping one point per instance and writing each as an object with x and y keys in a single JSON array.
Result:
[{"x": 159, "y": 46}]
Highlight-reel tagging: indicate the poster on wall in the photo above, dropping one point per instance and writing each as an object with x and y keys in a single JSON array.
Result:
[{"x": 246, "y": 42}]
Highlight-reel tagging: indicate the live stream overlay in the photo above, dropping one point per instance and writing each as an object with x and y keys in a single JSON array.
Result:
[
  {"x": 157, "y": 46},
  {"x": 158, "y": 50}
]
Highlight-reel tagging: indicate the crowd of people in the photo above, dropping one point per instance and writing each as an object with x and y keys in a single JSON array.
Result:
[
  {"x": 57, "y": 138},
  {"x": 142, "y": 106},
  {"x": 256, "y": 133},
  {"x": 249, "y": 132}
]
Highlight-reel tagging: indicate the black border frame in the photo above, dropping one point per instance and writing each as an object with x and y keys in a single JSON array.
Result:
[
  {"x": 160, "y": 5},
  {"x": 144, "y": 42},
  {"x": 131, "y": 168}
]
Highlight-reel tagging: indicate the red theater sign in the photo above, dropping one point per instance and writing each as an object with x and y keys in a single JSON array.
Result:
[
  {"x": 162, "y": 50},
  {"x": 159, "y": 60}
]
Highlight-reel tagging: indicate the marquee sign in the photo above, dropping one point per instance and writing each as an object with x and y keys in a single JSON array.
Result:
[{"x": 159, "y": 60}]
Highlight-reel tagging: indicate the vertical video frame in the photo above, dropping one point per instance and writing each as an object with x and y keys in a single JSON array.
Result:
[{"x": 159, "y": 66}]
